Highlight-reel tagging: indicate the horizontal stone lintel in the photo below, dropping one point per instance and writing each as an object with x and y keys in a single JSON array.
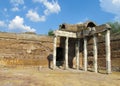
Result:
[
  {"x": 65, "y": 34},
  {"x": 99, "y": 29}
]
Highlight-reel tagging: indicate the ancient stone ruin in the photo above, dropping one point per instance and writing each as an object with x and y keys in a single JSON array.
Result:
[
  {"x": 73, "y": 43},
  {"x": 24, "y": 49},
  {"x": 87, "y": 48}
]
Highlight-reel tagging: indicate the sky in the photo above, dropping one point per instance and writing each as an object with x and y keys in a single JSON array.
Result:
[{"x": 40, "y": 16}]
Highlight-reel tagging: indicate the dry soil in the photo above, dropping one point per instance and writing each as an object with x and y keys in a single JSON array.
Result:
[{"x": 34, "y": 76}]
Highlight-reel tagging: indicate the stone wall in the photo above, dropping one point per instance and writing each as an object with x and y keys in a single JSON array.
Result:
[
  {"x": 115, "y": 52},
  {"x": 31, "y": 49},
  {"x": 24, "y": 49}
]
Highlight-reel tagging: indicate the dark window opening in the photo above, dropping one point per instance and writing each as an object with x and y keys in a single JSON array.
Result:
[
  {"x": 91, "y": 24},
  {"x": 63, "y": 26},
  {"x": 59, "y": 56}
]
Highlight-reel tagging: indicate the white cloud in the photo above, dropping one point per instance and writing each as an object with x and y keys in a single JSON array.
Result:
[
  {"x": 111, "y": 6},
  {"x": 83, "y": 20},
  {"x": 79, "y": 22},
  {"x": 15, "y": 9},
  {"x": 51, "y": 7},
  {"x": 5, "y": 9},
  {"x": 34, "y": 16},
  {"x": 2, "y": 24},
  {"x": 18, "y": 23},
  {"x": 24, "y": 7},
  {"x": 17, "y": 2}
]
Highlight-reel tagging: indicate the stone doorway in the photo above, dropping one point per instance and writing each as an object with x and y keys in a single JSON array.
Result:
[{"x": 59, "y": 56}]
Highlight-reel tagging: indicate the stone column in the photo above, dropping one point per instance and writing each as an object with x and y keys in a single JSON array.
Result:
[
  {"x": 95, "y": 52},
  {"x": 66, "y": 53},
  {"x": 54, "y": 52},
  {"x": 108, "y": 52},
  {"x": 77, "y": 55},
  {"x": 85, "y": 54}
]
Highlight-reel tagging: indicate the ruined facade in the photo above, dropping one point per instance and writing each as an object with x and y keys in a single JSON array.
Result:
[
  {"x": 73, "y": 43},
  {"x": 33, "y": 50}
]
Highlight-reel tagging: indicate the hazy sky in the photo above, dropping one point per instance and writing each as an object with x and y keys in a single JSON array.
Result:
[{"x": 42, "y": 15}]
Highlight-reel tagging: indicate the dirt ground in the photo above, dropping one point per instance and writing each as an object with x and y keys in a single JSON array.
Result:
[{"x": 34, "y": 76}]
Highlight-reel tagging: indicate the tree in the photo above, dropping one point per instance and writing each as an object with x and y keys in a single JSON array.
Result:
[
  {"x": 115, "y": 27},
  {"x": 50, "y": 32}
]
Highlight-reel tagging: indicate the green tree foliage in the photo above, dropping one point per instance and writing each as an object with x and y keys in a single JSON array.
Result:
[
  {"x": 115, "y": 27},
  {"x": 50, "y": 33}
]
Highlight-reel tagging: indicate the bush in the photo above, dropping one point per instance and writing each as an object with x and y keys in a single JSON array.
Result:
[{"x": 50, "y": 33}]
